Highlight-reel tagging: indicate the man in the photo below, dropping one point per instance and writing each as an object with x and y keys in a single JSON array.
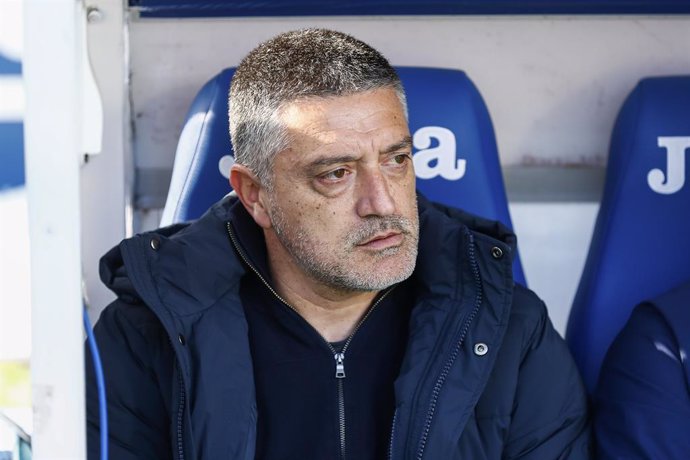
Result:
[
  {"x": 642, "y": 398},
  {"x": 328, "y": 312}
]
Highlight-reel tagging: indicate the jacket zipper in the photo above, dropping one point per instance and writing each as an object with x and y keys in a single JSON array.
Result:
[
  {"x": 340, "y": 370},
  {"x": 341, "y": 416},
  {"x": 454, "y": 353},
  {"x": 180, "y": 415},
  {"x": 338, "y": 356},
  {"x": 180, "y": 407},
  {"x": 390, "y": 446}
]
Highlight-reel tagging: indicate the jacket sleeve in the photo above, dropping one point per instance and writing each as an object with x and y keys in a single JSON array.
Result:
[
  {"x": 550, "y": 414},
  {"x": 642, "y": 399},
  {"x": 137, "y": 364}
]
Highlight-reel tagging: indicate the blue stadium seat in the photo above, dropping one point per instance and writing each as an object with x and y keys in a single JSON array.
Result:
[
  {"x": 197, "y": 180},
  {"x": 456, "y": 158},
  {"x": 641, "y": 246}
]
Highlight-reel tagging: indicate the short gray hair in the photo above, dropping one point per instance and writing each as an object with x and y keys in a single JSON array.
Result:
[{"x": 296, "y": 65}]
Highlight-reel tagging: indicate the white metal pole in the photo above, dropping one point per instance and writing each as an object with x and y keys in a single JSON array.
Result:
[{"x": 52, "y": 66}]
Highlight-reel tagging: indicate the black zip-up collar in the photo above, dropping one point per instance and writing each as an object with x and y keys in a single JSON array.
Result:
[{"x": 358, "y": 398}]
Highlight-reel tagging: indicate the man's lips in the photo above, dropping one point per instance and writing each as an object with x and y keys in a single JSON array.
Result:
[{"x": 383, "y": 241}]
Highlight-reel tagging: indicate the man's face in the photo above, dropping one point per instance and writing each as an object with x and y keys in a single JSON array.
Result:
[{"x": 343, "y": 205}]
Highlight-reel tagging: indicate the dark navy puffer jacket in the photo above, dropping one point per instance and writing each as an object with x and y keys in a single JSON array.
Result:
[{"x": 485, "y": 376}]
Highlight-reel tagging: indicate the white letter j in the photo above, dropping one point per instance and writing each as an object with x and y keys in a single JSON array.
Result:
[{"x": 674, "y": 179}]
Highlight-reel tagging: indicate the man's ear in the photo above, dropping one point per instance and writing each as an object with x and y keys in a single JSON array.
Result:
[{"x": 251, "y": 194}]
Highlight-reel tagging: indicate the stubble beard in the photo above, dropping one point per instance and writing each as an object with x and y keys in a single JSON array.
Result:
[{"x": 339, "y": 268}]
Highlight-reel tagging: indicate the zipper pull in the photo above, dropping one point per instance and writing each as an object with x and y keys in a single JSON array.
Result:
[{"x": 339, "y": 365}]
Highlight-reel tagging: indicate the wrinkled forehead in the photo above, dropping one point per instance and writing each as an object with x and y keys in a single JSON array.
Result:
[{"x": 359, "y": 112}]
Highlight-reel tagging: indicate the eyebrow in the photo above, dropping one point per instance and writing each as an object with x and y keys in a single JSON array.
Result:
[
  {"x": 327, "y": 161},
  {"x": 406, "y": 143}
]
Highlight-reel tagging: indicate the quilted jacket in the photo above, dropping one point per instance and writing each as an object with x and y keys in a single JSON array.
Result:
[{"x": 485, "y": 375}]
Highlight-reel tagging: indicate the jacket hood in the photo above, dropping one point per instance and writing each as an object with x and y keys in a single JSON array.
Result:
[
  {"x": 113, "y": 272},
  {"x": 197, "y": 262},
  {"x": 182, "y": 264},
  {"x": 480, "y": 225},
  {"x": 444, "y": 239}
]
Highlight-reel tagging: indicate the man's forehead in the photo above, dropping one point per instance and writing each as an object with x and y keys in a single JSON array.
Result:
[
  {"x": 330, "y": 156},
  {"x": 345, "y": 119},
  {"x": 335, "y": 102}
]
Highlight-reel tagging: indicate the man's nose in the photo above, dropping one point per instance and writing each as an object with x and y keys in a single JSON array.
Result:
[{"x": 374, "y": 195}]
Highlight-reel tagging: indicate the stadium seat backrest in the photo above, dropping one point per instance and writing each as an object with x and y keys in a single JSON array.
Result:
[
  {"x": 455, "y": 154},
  {"x": 203, "y": 156},
  {"x": 641, "y": 246}
]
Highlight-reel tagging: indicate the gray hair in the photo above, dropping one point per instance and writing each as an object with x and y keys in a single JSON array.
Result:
[{"x": 296, "y": 65}]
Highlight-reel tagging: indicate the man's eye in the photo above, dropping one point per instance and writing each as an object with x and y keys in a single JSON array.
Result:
[
  {"x": 401, "y": 158},
  {"x": 335, "y": 174}
]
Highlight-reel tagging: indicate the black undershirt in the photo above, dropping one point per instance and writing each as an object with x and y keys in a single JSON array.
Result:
[{"x": 294, "y": 369}]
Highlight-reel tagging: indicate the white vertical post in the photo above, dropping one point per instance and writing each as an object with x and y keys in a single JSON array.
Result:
[
  {"x": 52, "y": 67},
  {"x": 107, "y": 178}
]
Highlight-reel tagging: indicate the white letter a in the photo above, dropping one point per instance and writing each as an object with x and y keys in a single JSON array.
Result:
[{"x": 443, "y": 156}]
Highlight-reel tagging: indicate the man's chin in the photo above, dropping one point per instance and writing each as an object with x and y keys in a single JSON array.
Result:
[{"x": 380, "y": 277}]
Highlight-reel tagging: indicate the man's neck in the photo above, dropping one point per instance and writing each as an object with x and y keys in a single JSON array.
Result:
[{"x": 334, "y": 313}]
